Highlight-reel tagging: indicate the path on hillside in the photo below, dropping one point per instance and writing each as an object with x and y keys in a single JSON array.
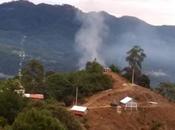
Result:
[
  {"x": 101, "y": 116},
  {"x": 119, "y": 85}
]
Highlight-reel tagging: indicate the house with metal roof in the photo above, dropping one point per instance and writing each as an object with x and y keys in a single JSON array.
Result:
[
  {"x": 128, "y": 102},
  {"x": 34, "y": 96},
  {"x": 79, "y": 110}
]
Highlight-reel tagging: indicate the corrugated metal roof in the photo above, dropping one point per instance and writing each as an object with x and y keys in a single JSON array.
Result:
[
  {"x": 126, "y": 100},
  {"x": 37, "y": 96},
  {"x": 27, "y": 95},
  {"x": 34, "y": 96},
  {"x": 79, "y": 108}
]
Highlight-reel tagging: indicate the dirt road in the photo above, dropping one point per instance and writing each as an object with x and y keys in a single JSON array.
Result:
[{"x": 102, "y": 117}]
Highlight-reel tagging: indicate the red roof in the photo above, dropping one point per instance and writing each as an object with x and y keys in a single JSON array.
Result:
[
  {"x": 37, "y": 96},
  {"x": 34, "y": 96}
]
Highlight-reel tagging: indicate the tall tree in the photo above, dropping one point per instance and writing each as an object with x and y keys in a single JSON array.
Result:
[
  {"x": 10, "y": 105},
  {"x": 135, "y": 57},
  {"x": 94, "y": 67},
  {"x": 33, "y": 76}
]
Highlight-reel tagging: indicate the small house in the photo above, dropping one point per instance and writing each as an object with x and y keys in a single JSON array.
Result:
[
  {"x": 107, "y": 69},
  {"x": 128, "y": 102},
  {"x": 34, "y": 96},
  {"x": 79, "y": 110},
  {"x": 20, "y": 90}
]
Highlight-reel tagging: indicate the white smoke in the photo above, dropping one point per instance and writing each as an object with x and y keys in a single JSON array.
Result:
[{"x": 89, "y": 39}]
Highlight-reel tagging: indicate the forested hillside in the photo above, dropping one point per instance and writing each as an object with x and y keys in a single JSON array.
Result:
[{"x": 51, "y": 32}]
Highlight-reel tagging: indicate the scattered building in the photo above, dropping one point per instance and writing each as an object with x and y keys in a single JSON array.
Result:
[
  {"x": 79, "y": 110},
  {"x": 34, "y": 96},
  {"x": 107, "y": 69},
  {"x": 20, "y": 90},
  {"x": 128, "y": 102},
  {"x": 132, "y": 105}
]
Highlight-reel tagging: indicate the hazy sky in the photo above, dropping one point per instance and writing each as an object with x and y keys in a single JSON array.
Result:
[{"x": 155, "y": 12}]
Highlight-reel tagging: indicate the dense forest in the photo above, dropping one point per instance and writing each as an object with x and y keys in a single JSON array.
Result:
[{"x": 20, "y": 113}]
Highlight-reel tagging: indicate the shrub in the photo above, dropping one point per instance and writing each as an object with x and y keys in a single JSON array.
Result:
[
  {"x": 58, "y": 112},
  {"x": 167, "y": 90},
  {"x": 10, "y": 105},
  {"x": 63, "y": 86},
  {"x": 36, "y": 120},
  {"x": 114, "y": 68}
]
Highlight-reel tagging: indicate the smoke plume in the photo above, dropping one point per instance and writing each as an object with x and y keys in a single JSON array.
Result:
[{"x": 89, "y": 39}]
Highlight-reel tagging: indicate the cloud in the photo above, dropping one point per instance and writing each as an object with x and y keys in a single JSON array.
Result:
[
  {"x": 5, "y": 76},
  {"x": 156, "y": 12},
  {"x": 159, "y": 73},
  {"x": 163, "y": 10}
]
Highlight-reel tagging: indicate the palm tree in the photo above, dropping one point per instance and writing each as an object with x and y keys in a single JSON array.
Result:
[{"x": 135, "y": 58}]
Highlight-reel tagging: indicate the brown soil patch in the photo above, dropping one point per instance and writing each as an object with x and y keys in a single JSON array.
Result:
[{"x": 101, "y": 116}]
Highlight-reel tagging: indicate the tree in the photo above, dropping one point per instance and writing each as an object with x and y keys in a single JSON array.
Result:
[
  {"x": 94, "y": 67},
  {"x": 3, "y": 122},
  {"x": 168, "y": 90},
  {"x": 127, "y": 73},
  {"x": 10, "y": 102},
  {"x": 62, "y": 86},
  {"x": 114, "y": 68},
  {"x": 33, "y": 76},
  {"x": 36, "y": 120},
  {"x": 10, "y": 105},
  {"x": 66, "y": 118},
  {"x": 9, "y": 85},
  {"x": 135, "y": 57},
  {"x": 59, "y": 86},
  {"x": 143, "y": 81}
]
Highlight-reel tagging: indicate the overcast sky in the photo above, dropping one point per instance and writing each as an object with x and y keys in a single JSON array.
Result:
[{"x": 156, "y": 12}]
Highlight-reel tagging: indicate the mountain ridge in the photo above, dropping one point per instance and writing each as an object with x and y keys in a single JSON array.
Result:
[{"x": 51, "y": 32}]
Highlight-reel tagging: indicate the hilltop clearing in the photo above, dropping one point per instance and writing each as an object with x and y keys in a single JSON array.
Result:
[{"x": 101, "y": 116}]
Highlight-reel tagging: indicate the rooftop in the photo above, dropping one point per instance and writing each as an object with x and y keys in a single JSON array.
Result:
[
  {"x": 78, "y": 108},
  {"x": 126, "y": 100}
]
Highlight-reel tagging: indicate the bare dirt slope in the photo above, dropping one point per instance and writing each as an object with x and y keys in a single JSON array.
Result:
[{"x": 101, "y": 116}]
